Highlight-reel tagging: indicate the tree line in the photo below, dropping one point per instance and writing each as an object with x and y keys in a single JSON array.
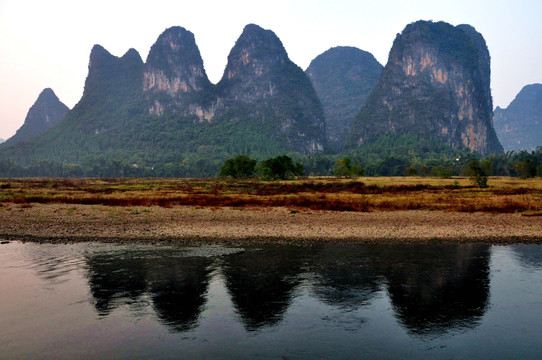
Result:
[
  {"x": 516, "y": 164},
  {"x": 281, "y": 167}
]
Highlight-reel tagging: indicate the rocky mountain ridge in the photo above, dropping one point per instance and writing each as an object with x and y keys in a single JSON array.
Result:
[
  {"x": 436, "y": 84},
  {"x": 261, "y": 83},
  {"x": 174, "y": 78},
  {"x": 166, "y": 111},
  {"x": 264, "y": 104}
]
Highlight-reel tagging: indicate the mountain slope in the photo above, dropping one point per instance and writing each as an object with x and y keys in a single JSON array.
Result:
[
  {"x": 166, "y": 111},
  {"x": 267, "y": 93},
  {"x": 343, "y": 78},
  {"x": 92, "y": 127},
  {"x": 519, "y": 126},
  {"x": 44, "y": 114},
  {"x": 436, "y": 86}
]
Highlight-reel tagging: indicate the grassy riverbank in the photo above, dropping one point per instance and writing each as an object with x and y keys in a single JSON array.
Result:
[
  {"x": 195, "y": 210},
  {"x": 504, "y": 195}
]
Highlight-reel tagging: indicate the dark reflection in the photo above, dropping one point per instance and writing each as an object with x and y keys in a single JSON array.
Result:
[
  {"x": 345, "y": 275},
  {"x": 529, "y": 255},
  {"x": 178, "y": 290},
  {"x": 437, "y": 288},
  {"x": 116, "y": 279},
  {"x": 261, "y": 282},
  {"x": 433, "y": 288},
  {"x": 176, "y": 284}
]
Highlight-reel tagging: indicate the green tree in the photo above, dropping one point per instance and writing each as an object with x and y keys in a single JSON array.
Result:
[
  {"x": 343, "y": 167},
  {"x": 317, "y": 164},
  {"x": 477, "y": 174},
  {"x": 487, "y": 166},
  {"x": 411, "y": 171},
  {"x": 358, "y": 170},
  {"x": 424, "y": 170},
  {"x": 442, "y": 172},
  {"x": 10, "y": 168},
  {"x": 239, "y": 167},
  {"x": 280, "y": 167},
  {"x": 526, "y": 168}
]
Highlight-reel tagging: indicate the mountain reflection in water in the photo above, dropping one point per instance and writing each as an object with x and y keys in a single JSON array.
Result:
[
  {"x": 261, "y": 283},
  {"x": 298, "y": 301},
  {"x": 436, "y": 291},
  {"x": 432, "y": 289},
  {"x": 176, "y": 283}
]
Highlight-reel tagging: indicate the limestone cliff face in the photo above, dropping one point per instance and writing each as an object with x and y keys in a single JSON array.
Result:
[
  {"x": 265, "y": 105},
  {"x": 47, "y": 111},
  {"x": 343, "y": 78},
  {"x": 252, "y": 64},
  {"x": 174, "y": 78},
  {"x": 262, "y": 92},
  {"x": 519, "y": 126},
  {"x": 435, "y": 85},
  {"x": 263, "y": 87}
]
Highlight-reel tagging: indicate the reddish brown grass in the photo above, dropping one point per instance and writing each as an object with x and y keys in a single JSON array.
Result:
[{"x": 318, "y": 195}]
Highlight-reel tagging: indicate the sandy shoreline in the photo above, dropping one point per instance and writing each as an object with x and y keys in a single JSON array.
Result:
[{"x": 70, "y": 223}]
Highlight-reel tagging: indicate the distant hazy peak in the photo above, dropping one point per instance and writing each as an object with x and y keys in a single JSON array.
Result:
[
  {"x": 46, "y": 112},
  {"x": 519, "y": 126},
  {"x": 46, "y": 95},
  {"x": 343, "y": 78}
]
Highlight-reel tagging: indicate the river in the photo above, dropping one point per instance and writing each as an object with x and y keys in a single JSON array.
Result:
[{"x": 296, "y": 301}]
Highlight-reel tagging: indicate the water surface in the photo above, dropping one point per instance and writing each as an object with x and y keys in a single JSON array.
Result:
[{"x": 316, "y": 301}]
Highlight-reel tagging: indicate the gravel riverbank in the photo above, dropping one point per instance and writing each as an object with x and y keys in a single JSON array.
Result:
[{"x": 69, "y": 223}]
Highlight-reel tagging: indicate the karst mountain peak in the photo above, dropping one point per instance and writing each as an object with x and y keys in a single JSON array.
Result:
[
  {"x": 166, "y": 111},
  {"x": 436, "y": 84}
]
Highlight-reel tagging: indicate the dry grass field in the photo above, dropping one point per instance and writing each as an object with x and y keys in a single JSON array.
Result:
[
  {"x": 379, "y": 209},
  {"x": 368, "y": 194}
]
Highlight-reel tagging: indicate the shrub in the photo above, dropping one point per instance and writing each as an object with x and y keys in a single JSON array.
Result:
[
  {"x": 358, "y": 170},
  {"x": 280, "y": 167},
  {"x": 477, "y": 174},
  {"x": 343, "y": 168},
  {"x": 240, "y": 167},
  {"x": 526, "y": 168},
  {"x": 411, "y": 171},
  {"x": 441, "y": 172}
]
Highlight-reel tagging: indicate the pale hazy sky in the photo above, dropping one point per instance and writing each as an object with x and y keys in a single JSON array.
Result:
[{"x": 47, "y": 43}]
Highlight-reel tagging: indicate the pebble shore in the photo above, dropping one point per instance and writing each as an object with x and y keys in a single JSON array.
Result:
[{"x": 72, "y": 223}]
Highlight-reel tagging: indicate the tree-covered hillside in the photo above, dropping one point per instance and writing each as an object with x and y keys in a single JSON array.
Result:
[
  {"x": 166, "y": 113},
  {"x": 343, "y": 78},
  {"x": 427, "y": 114}
]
